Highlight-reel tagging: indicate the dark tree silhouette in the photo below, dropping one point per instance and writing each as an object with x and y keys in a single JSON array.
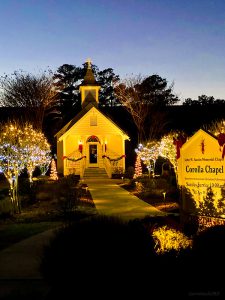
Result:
[
  {"x": 106, "y": 79},
  {"x": 155, "y": 91},
  {"x": 143, "y": 97},
  {"x": 68, "y": 79},
  {"x": 203, "y": 100},
  {"x": 35, "y": 94}
]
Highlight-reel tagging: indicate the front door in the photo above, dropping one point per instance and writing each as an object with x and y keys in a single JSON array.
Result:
[{"x": 93, "y": 155}]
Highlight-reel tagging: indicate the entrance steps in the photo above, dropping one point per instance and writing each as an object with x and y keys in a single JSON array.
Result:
[{"x": 95, "y": 173}]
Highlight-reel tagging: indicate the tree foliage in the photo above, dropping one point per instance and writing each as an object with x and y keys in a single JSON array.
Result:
[
  {"x": 34, "y": 93},
  {"x": 203, "y": 100},
  {"x": 143, "y": 97},
  {"x": 68, "y": 79},
  {"x": 129, "y": 94},
  {"x": 155, "y": 91},
  {"x": 21, "y": 147}
]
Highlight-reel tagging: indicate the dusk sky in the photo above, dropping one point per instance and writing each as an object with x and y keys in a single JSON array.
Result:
[{"x": 181, "y": 40}]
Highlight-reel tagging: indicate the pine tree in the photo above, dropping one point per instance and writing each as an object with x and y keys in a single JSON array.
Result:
[
  {"x": 207, "y": 207},
  {"x": 138, "y": 168},
  {"x": 53, "y": 172}
]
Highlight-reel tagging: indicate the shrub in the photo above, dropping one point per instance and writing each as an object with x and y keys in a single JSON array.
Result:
[
  {"x": 210, "y": 244},
  {"x": 6, "y": 208},
  {"x": 4, "y": 194},
  {"x": 115, "y": 250},
  {"x": 66, "y": 193},
  {"x": 168, "y": 239},
  {"x": 27, "y": 191},
  {"x": 208, "y": 260},
  {"x": 129, "y": 172}
]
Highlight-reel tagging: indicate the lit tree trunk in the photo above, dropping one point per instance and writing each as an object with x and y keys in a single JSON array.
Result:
[
  {"x": 30, "y": 170},
  {"x": 13, "y": 192}
]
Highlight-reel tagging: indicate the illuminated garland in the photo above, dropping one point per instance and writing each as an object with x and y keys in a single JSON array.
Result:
[
  {"x": 74, "y": 159},
  {"x": 113, "y": 159}
]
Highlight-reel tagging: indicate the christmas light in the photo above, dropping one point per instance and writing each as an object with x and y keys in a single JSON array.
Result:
[
  {"x": 21, "y": 147},
  {"x": 149, "y": 154},
  {"x": 138, "y": 168},
  {"x": 53, "y": 172},
  {"x": 168, "y": 150}
]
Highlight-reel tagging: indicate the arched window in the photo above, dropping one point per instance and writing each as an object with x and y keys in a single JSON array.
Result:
[{"x": 93, "y": 138}]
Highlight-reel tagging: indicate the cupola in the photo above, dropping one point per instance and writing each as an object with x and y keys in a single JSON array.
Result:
[{"x": 89, "y": 88}]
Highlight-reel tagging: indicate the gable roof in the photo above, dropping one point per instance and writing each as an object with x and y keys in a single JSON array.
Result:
[
  {"x": 195, "y": 136},
  {"x": 80, "y": 115}
]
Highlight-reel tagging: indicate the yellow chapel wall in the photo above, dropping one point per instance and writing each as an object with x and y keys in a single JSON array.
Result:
[
  {"x": 59, "y": 157},
  {"x": 71, "y": 149},
  {"x": 105, "y": 130},
  {"x": 116, "y": 148}
]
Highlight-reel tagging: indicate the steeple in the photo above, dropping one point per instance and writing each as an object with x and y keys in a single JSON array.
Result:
[{"x": 89, "y": 88}]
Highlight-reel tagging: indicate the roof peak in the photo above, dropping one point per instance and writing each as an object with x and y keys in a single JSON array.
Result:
[{"x": 89, "y": 78}]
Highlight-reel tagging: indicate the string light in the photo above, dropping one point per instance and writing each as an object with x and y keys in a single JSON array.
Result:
[
  {"x": 168, "y": 150},
  {"x": 149, "y": 154},
  {"x": 138, "y": 168},
  {"x": 21, "y": 147},
  {"x": 53, "y": 172}
]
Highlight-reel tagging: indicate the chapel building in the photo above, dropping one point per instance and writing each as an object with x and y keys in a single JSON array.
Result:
[{"x": 91, "y": 143}]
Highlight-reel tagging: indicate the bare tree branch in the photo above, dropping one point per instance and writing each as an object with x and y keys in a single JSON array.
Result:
[
  {"x": 33, "y": 93},
  {"x": 129, "y": 93}
]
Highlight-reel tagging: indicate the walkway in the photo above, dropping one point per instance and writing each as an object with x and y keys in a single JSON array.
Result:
[
  {"x": 111, "y": 199},
  {"x": 20, "y": 277}
]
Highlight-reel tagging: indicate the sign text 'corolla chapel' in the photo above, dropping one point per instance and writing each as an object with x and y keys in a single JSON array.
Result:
[{"x": 201, "y": 174}]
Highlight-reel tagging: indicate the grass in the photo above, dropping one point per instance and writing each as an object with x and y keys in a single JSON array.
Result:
[
  {"x": 50, "y": 205},
  {"x": 155, "y": 199},
  {"x": 13, "y": 233}
]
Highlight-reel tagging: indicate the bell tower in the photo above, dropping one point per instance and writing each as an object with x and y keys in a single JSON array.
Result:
[{"x": 89, "y": 88}]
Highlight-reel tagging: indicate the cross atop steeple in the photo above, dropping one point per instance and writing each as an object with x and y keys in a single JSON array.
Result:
[
  {"x": 89, "y": 88},
  {"x": 88, "y": 61}
]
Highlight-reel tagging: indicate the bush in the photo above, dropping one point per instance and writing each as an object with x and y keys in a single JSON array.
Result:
[
  {"x": 5, "y": 208},
  {"x": 190, "y": 225},
  {"x": 66, "y": 194},
  {"x": 4, "y": 194},
  {"x": 208, "y": 260},
  {"x": 117, "y": 251},
  {"x": 168, "y": 239},
  {"x": 210, "y": 245},
  {"x": 129, "y": 172},
  {"x": 27, "y": 191}
]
